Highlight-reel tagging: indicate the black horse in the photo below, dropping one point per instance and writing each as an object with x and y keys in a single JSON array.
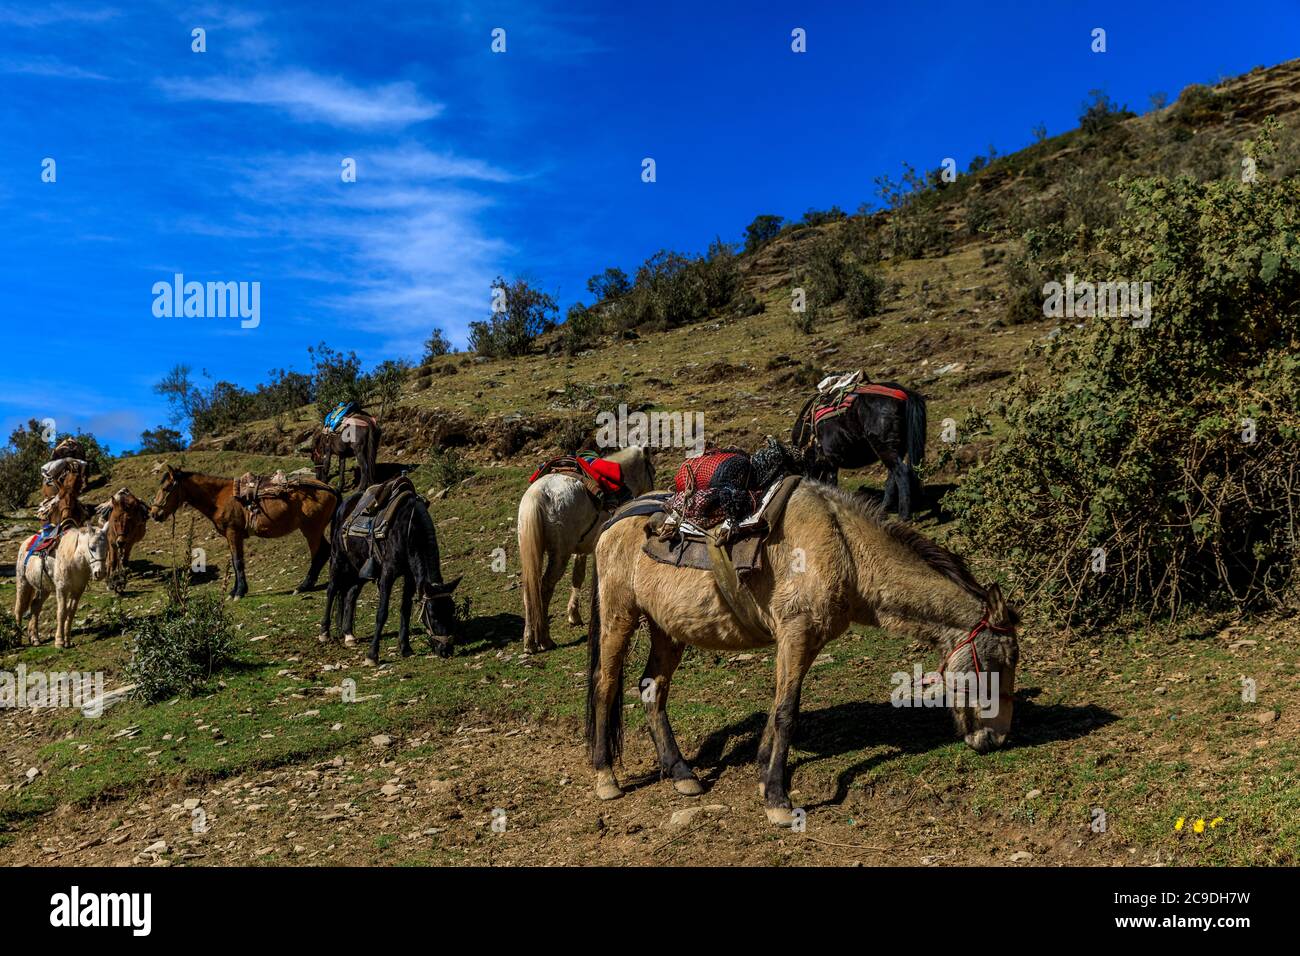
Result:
[
  {"x": 876, "y": 427},
  {"x": 409, "y": 552}
]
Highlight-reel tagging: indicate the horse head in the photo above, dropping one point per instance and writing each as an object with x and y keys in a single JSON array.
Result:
[
  {"x": 94, "y": 544},
  {"x": 169, "y": 494},
  {"x": 438, "y": 611},
  {"x": 993, "y": 652}
]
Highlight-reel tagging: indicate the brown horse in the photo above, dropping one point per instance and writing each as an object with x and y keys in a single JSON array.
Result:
[
  {"x": 834, "y": 561},
  {"x": 305, "y": 506},
  {"x": 128, "y": 520},
  {"x": 65, "y": 505},
  {"x": 356, "y": 437}
]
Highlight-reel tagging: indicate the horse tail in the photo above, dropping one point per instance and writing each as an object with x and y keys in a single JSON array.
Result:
[
  {"x": 369, "y": 457},
  {"x": 532, "y": 555},
  {"x": 802, "y": 432},
  {"x": 614, "y": 711},
  {"x": 916, "y": 426}
]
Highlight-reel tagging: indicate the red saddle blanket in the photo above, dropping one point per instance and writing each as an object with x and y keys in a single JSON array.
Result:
[
  {"x": 837, "y": 403},
  {"x": 601, "y": 476}
]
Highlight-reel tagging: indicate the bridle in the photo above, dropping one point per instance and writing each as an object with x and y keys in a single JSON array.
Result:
[{"x": 969, "y": 641}]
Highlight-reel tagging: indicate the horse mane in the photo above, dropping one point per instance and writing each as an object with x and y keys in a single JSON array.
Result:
[{"x": 936, "y": 556}]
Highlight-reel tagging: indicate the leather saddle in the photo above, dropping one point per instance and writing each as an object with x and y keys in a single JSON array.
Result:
[
  {"x": 373, "y": 516},
  {"x": 670, "y": 539}
]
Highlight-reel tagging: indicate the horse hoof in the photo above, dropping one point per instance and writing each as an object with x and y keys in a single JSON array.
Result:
[
  {"x": 575, "y": 620},
  {"x": 688, "y": 787},
  {"x": 780, "y": 816},
  {"x": 323, "y": 638},
  {"x": 349, "y": 640},
  {"x": 369, "y": 661},
  {"x": 609, "y": 791},
  {"x": 545, "y": 644}
]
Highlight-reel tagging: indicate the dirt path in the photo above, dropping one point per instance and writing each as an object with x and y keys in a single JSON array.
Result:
[{"x": 434, "y": 801}]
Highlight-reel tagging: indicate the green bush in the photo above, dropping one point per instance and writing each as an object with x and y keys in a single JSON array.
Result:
[
  {"x": 521, "y": 314},
  {"x": 160, "y": 441},
  {"x": 583, "y": 328},
  {"x": 864, "y": 294},
  {"x": 11, "y": 631},
  {"x": 448, "y": 467},
  {"x": 761, "y": 231},
  {"x": 20, "y": 464},
  {"x": 177, "y": 651},
  {"x": 1134, "y": 442},
  {"x": 436, "y": 346}
]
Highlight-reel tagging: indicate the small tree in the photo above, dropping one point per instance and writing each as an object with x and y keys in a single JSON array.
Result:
[
  {"x": 384, "y": 384},
  {"x": 160, "y": 441},
  {"x": 609, "y": 285},
  {"x": 20, "y": 464},
  {"x": 336, "y": 377},
  {"x": 436, "y": 346},
  {"x": 761, "y": 231},
  {"x": 524, "y": 313}
]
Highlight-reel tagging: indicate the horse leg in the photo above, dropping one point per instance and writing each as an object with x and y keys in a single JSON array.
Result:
[
  {"x": 607, "y": 703},
  {"x": 903, "y": 481},
  {"x": 331, "y": 594},
  {"x": 381, "y": 615},
  {"x": 579, "y": 575},
  {"x": 350, "y": 612},
  {"x": 318, "y": 545},
  {"x": 60, "y": 614},
  {"x": 72, "y": 604},
  {"x": 795, "y": 653},
  {"x": 404, "y": 625},
  {"x": 665, "y": 655},
  {"x": 555, "y": 564},
  {"x": 236, "y": 543}
]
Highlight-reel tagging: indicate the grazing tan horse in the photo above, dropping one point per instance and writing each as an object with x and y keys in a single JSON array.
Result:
[
  {"x": 79, "y": 555},
  {"x": 558, "y": 518},
  {"x": 305, "y": 507},
  {"x": 834, "y": 561},
  {"x": 128, "y": 521}
]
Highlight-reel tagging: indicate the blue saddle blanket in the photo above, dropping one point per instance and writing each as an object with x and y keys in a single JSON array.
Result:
[{"x": 335, "y": 418}]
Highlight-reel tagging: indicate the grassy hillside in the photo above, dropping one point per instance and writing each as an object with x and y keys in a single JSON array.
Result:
[{"x": 1148, "y": 727}]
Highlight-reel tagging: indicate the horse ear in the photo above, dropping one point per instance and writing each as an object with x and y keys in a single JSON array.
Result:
[
  {"x": 999, "y": 612},
  {"x": 445, "y": 588}
]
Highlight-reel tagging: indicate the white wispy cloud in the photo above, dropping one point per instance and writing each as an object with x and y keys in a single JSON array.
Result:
[
  {"x": 48, "y": 66},
  {"x": 312, "y": 97},
  {"x": 49, "y": 14}
]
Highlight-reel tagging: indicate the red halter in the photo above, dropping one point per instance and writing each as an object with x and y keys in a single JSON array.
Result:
[{"x": 969, "y": 640}]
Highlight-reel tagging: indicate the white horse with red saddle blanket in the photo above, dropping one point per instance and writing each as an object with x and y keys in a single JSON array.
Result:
[
  {"x": 65, "y": 569},
  {"x": 559, "y": 517}
]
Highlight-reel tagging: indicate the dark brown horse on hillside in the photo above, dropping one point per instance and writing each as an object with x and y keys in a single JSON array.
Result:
[
  {"x": 356, "y": 437},
  {"x": 304, "y": 506},
  {"x": 877, "y": 422},
  {"x": 128, "y": 521}
]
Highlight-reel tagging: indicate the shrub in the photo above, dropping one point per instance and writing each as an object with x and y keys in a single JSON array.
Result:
[
  {"x": 582, "y": 329},
  {"x": 1100, "y": 113},
  {"x": 524, "y": 314},
  {"x": 383, "y": 386},
  {"x": 20, "y": 464},
  {"x": 1134, "y": 443},
  {"x": 864, "y": 293},
  {"x": 178, "y": 651},
  {"x": 609, "y": 285},
  {"x": 761, "y": 231},
  {"x": 448, "y": 467},
  {"x": 436, "y": 346},
  {"x": 160, "y": 441},
  {"x": 11, "y": 631},
  {"x": 336, "y": 377}
]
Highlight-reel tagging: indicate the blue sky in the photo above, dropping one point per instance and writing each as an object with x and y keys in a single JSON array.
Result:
[{"x": 225, "y": 165}]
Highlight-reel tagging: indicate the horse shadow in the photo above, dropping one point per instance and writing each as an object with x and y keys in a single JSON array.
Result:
[
  {"x": 930, "y": 507},
  {"x": 859, "y": 725},
  {"x": 490, "y": 632}
]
